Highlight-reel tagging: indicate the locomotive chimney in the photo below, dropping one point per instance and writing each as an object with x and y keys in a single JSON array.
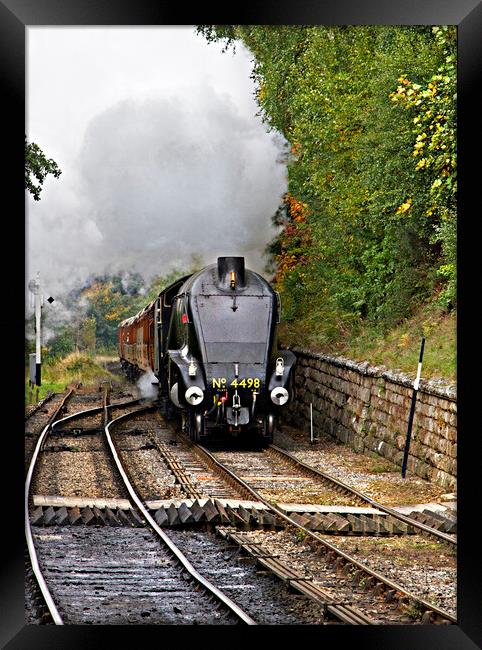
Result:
[{"x": 231, "y": 272}]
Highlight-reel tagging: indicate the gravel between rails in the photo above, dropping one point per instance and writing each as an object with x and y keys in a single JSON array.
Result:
[
  {"x": 301, "y": 557},
  {"x": 377, "y": 477},
  {"x": 151, "y": 476},
  {"x": 136, "y": 438},
  {"x": 78, "y": 465},
  {"x": 435, "y": 577},
  {"x": 278, "y": 482}
]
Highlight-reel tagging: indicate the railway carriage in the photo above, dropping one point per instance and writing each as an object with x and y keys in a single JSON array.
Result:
[{"x": 210, "y": 339}]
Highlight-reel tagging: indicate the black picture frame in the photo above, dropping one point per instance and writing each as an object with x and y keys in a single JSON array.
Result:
[{"x": 15, "y": 17}]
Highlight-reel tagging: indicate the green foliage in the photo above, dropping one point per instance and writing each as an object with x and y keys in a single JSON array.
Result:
[
  {"x": 75, "y": 367},
  {"x": 88, "y": 334},
  {"x": 63, "y": 343},
  {"x": 96, "y": 311},
  {"x": 433, "y": 107},
  {"x": 368, "y": 232},
  {"x": 37, "y": 167}
]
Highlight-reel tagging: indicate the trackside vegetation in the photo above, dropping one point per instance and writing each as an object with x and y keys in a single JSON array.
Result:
[
  {"x": 75, "y": 368},
  {"x": 367, "y": 243}
]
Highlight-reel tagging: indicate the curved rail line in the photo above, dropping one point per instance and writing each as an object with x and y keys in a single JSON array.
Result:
[
  {"x": 217, "y": 593},
  {"x": 92, "y": 411},
  {"x": 431, "y": 611},
  {"x": 57, "y": 619},
  {"x": 359, "y": 495},
  {"x": 28, "y": 531}
]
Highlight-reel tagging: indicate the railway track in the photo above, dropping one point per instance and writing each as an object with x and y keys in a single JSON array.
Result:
[
  {"x": 199, "y": 473},
  {"x": 33, "y": 435},
  {"x": 181, "y": 464},
  {"x": 52, "y": 608},
  {"x": 29, "y": 412},
  {"x": 171, "y": 555},
  {"x": 357, "y": 496},
  {"x": 345, "y": 613},
  {"x": 178, "y": 555},
  {"x": 378, "y": 583}
]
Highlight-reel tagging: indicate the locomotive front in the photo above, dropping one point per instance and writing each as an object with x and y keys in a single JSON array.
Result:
[{"x": 224, "y": 368}]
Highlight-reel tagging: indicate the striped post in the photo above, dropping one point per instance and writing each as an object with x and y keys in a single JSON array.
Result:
[{"x": 412, "y": 410}]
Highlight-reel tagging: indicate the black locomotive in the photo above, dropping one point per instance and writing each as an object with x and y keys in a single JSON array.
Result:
[{"x": 210, "y": 338}]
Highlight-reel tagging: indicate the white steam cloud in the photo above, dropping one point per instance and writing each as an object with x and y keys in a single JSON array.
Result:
[
  {"x": 158, "y": 181},
  {"x": 146, "y": 386}
]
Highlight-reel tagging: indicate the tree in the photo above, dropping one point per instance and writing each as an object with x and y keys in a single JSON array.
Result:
[
  {"x": 432, "y": 105},
  {"x": 37, "y": 167},
  {"x": 88, "y": 334},
  {"x": 368, "y": 223}
]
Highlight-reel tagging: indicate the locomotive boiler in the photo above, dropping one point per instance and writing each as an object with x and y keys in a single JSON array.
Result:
[{"x": 210, "y": 339}]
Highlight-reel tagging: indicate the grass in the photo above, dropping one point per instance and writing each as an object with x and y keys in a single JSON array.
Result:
[
  {"x": 42, "y": 390},
  {"x": 397, "y": 349},
  {"x": 75, "y": 368},
  {"x": 380, "y": 466}
]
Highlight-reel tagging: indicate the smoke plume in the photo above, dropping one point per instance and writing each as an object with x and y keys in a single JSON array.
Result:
[
  {"x": 158, "y": 181},
  {"x": 146, "y": 386}
]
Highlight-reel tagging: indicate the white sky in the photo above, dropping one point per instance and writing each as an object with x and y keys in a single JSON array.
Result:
[{"x": 161, "y": 152}]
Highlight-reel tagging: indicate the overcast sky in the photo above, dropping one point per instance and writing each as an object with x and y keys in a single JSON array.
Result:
[{"x": 161, "y": 151}]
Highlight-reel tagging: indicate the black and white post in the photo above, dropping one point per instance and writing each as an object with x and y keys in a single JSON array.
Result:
[
  {"x": 412, "y": 410},
  {"x": 35, "y": 373}
]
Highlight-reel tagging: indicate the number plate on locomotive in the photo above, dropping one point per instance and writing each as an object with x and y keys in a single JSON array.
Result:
[{"x": 249, "y": 382}]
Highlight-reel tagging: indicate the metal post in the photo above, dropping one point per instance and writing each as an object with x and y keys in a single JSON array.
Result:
[
  {"x": 412, "y": 410},
  {"x": 311, "y": 422},
  {"x": 34, "y": 287}
]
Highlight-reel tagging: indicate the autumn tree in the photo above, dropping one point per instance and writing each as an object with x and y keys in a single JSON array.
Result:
[{"x": 367, "y": 228}]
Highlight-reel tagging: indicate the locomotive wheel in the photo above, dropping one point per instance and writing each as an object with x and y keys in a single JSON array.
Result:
[
  {"x": 267, "y": 431},
  {"x": 195, "y": 422},
  {"x": 198, "y": 426},
  {"x": 167, "y": 409}
]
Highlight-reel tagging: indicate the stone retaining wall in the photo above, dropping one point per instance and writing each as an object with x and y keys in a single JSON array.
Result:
[{"x": 368, "y": 407}]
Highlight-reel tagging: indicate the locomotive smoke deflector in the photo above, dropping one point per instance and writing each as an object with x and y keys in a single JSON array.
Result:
[{"x": 231, "y": 272}]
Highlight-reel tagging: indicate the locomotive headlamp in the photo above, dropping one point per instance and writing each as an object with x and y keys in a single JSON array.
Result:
[
  {"x": 192, "y": 369},
  {"x": 233, "y": 280},
  {"x": 280, "y": 366},
  {"x": 194, "y": 395},
  {"x": 279, "y": 396}
]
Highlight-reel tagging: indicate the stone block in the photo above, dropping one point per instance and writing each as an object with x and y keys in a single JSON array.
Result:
[
  {"x": 379, "y": 416},
  {"x": 378, "y": 403},
  {"x": 443, "y": 479},
  {"x": 395, "y": 398},
  {"x": 353, "y": 376},
  {"x": 358, "y": 443},
  {"x": 452, "y": 450}
]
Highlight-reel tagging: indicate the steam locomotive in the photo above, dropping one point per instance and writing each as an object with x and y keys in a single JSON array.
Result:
[{"x": 210, "y": 339}]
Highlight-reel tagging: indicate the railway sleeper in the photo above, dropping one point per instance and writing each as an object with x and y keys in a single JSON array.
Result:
[
  {"x": 212, "y": 511},
  {"x": 440, "y": 521},
  {"x": 76, "y": 431}
]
